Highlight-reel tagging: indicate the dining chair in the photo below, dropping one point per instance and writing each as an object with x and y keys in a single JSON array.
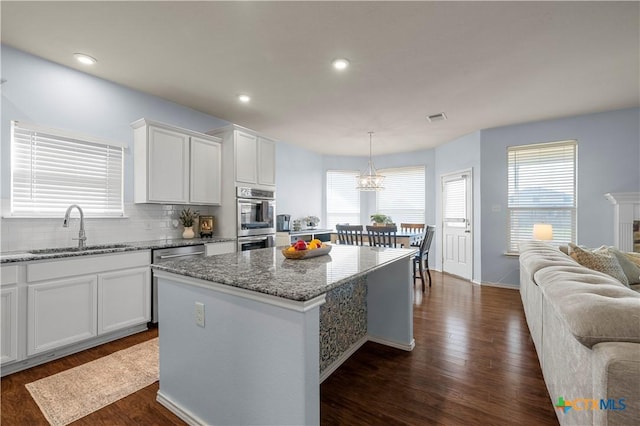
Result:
[
  {"x": 350, "y": 234},
  {"x": 422, "y": 257},
  {"x": 413, "y": 228},
  {"x": 382, "y": 236}
]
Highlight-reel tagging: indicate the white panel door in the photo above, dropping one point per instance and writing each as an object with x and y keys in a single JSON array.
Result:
[
  {"x": 457, "y": 253},
  {"x": 246, "y": 157},
  {"x": 266, "y": 162},
  {"x": 61, "y": 312},
  {"x": 168, "y": 166},
  {"x": 206, "y": 157},
  {"x": 124, "y": 299},
  {"x": 9, "y": 324}
]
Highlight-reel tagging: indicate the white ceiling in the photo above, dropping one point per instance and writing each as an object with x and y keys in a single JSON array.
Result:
[{"x": 485, "y": 64}]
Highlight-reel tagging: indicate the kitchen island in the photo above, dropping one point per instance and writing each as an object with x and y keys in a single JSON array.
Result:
[{"x": 248, "y": 337}]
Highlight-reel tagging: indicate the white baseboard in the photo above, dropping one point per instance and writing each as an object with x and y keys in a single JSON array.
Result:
[
  {"x": 500, "y": 285},
  {"x": 342, "y": 358},
  {"x": 396, "y": 345},
  {"x": 183, "y": 414}
]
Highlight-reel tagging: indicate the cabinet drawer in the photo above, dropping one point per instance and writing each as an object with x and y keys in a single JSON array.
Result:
[
  {"x": 8, "y": 274},
  {"x": 82, "y": 265}
]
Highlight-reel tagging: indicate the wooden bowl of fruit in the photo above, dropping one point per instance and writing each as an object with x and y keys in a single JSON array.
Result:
[{"x": 303, "y": 250}]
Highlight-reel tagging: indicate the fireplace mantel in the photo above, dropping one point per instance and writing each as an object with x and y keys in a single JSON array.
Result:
[{"x": 626, "y": 210}]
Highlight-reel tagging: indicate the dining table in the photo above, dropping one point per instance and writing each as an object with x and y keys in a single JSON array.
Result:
[{"x": 404, "y": 239}]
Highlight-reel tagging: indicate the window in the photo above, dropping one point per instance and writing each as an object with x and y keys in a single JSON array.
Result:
[
  {"x": 52, "y": 169},
  {"x": 343, "y": 199},
  {"x": 404, "y": 195},
  {"x": 542, "y": 189}
]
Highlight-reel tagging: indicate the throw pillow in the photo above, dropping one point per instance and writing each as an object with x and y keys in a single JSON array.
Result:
[
  {"x": 631, "y": 270},
  {"x": 600, "y": 260},
  {"x": 633, "y": 256}
]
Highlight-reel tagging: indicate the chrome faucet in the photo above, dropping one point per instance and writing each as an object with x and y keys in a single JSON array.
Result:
[{"x": 81, "y": 236}]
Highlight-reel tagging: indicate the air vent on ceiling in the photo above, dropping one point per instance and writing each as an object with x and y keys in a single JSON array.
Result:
[{"x": 436, "y": 117}]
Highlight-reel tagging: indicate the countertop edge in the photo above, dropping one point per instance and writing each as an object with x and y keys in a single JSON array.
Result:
[{"x": 26, "y": 256}]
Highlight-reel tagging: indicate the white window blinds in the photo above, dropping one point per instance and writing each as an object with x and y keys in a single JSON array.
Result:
[
  {"x": 455, "y": 204},
  {"x": 542, "y": 189},
  {"x": 404, "y": 195},
  {"x": 51, "y": 170},
  {"x": 343, "y": 199}
]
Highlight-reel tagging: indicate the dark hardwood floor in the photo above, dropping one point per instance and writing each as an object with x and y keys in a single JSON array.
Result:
[{"x": 474, "y": 364}]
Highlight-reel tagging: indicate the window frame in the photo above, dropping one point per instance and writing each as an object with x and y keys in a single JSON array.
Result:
[
  {"x": 511, "y": 242},
  {"x": 389, "y": 171},
  {"x": 63, "y": 145},
  {"x": 351, "y": 176}
]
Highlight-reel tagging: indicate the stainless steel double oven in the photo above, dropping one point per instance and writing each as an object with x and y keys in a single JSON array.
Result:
[{"x": 256, "y": 218}]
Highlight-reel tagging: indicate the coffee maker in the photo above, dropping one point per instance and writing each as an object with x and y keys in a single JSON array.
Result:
[{"x": 283, "y": 223}]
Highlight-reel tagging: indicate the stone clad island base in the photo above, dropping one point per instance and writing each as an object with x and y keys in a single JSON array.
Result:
[{"x": 260, "y": 357}]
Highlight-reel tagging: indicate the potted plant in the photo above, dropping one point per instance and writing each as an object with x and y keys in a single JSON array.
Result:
[
  {"x": 312, "y": 221},
  {"x": 187, "y": 217},
  {"x": 380, "y": 219}
]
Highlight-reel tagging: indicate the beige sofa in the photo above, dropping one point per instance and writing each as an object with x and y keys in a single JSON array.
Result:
[{"x": 585, "y": 326}]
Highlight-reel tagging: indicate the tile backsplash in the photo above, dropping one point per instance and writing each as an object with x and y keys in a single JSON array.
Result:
[{"x": 142, "y": 222}]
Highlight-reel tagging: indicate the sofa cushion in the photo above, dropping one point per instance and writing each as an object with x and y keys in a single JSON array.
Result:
[
  {"x": 631, "y": 270},
  {"x": 594, "y": 306},
  {"x": 599, "y": 260},
  {"x": 535, "y": 255}
]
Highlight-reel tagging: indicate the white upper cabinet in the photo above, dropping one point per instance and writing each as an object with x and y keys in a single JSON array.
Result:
[
  {"x": 246, "y": 149},
  {"x": 174, "y": 165},
  {"x": 266, "y": 161},
  {"x": 254, "y": 156},
  {"x": 206, "y": 157}
]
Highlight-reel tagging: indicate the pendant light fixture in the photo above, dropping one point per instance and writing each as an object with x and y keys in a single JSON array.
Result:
[{"x": 370, "y": 180}]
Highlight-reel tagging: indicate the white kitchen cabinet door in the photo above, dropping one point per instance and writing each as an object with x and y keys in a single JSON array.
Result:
[
  {"x": 206, "y": 167},
  {"x": 124, "y": 299},
  {"x": 9, "y": 325},
  {"x": 246, "y": 149},
  {"x": 168, "y": 166},
  {"x": 61, "y": 312},
  {"x": 266, "y": 162}
]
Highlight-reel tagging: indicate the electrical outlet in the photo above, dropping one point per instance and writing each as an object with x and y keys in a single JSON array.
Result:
[{"x": 199, "y": 314}]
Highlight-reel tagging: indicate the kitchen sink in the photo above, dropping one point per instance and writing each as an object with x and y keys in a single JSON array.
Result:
[{"x": 77, "y": 249}]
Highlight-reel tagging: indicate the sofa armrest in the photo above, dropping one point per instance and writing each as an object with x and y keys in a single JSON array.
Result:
[{"x": 616, "y": 379}]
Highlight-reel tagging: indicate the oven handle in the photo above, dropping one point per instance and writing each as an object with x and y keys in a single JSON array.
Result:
[
  {"x": 252, "y": 240},
  {"x": 171, "y": 256}
]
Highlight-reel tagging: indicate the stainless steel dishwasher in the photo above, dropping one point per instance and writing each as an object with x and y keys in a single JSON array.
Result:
[{"x": 165, "y": 255}]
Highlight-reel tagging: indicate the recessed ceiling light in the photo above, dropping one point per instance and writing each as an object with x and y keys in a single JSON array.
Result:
[
  {"x": 85, "y": 59},
  {"x": 244, "y": 98},
  {"x": 340, "y": 64}
]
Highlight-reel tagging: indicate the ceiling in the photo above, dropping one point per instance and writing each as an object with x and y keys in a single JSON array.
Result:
[{"x": 484, "y": 64}]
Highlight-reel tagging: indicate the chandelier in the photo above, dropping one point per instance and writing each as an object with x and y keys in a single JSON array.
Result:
[{"x": 370, "y": 180}]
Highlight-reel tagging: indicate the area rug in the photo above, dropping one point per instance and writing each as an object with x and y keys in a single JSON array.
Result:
[{"x": 74, "y": 393}]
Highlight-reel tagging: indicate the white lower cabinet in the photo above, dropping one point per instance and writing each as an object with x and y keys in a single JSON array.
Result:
[
  {"x": 9, "y": 324},
  {"x": 80, "y": 298},
  {"x": 123, "y": 299},
  {"x": 61, "y": 312}
]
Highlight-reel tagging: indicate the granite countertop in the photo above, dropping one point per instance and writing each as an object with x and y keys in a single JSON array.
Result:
[
  {"x": 56, "y": 253},
  {"x": 268, "y": 271},
  {"x": 311, "y": 231}
]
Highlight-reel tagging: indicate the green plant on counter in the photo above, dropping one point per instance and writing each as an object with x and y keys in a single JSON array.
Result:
[
  {"x": 187, "y": 216},
  {"x": 381, "y": 219}
]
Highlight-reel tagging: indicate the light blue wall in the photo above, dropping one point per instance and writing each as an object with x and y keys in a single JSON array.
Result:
[
  {"x": 299, "y": 182},
  {"x": 458, "y": 155},
  {"x": 51, "y": 95},
  {"x": 608, "y": 161}
]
